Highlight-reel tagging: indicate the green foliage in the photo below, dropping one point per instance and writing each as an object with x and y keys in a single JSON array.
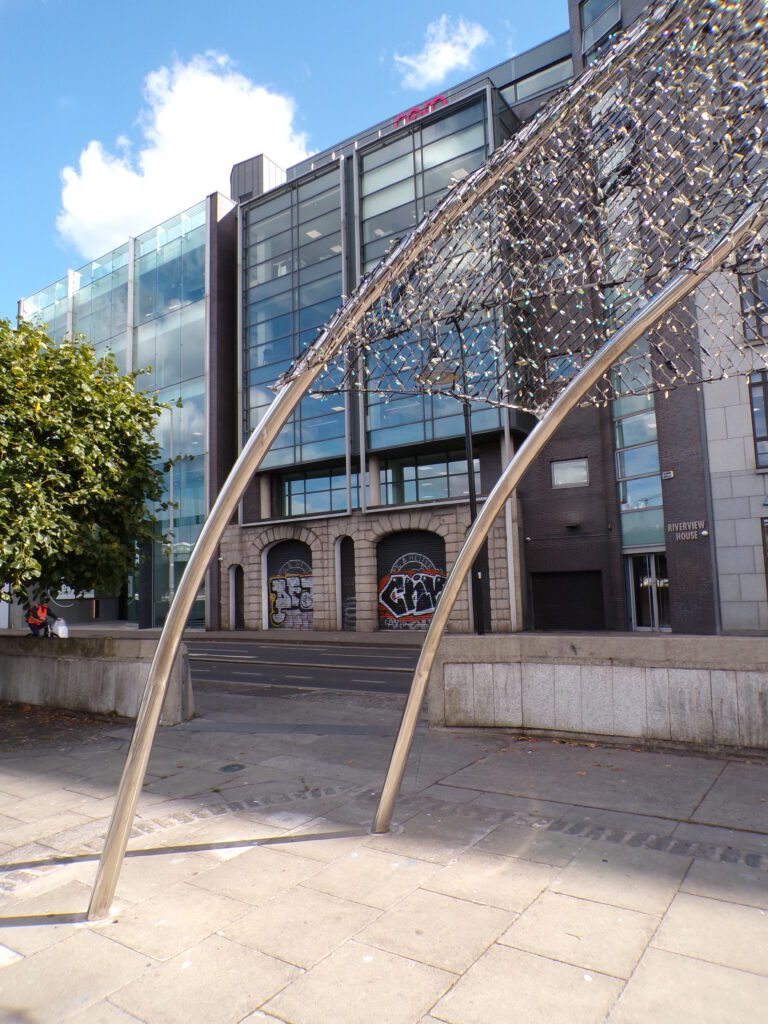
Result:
[{"x": 78, "y": 464}]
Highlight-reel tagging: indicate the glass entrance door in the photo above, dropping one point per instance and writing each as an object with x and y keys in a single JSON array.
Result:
[{"x": 649, "y": 591}]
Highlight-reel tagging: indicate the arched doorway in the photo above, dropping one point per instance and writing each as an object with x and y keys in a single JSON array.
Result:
[
  {"x": 411, "y": 574},
  {"x": 236, "y": 597},
  {"x": 289, "y": 585}
]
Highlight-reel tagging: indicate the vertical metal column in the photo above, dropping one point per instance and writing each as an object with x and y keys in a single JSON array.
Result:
[
  {"x": 677, "y": 289},
  {"x": 152, "y": 701}
]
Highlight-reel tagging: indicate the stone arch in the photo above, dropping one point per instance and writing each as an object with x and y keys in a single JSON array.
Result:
[
  {"x": 288, "y": 575},
  {"x": 428, "y": 520},
  {"x": 410, "y": 575}
]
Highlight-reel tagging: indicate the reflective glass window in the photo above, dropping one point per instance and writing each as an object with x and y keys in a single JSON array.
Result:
[
  {"x": 637, "y": 461},
  {"x": 643, "y": 528},
  {"x": 326, "y": 248},
  {"x": 453, "y": 122},
  {"x": 401, "y": 218},
  {"x": 387, "y": 198},
  {"x": 389, "y": 152},
  {"x": 169, "y": 276},
  {"x": 387, "y": 174},
  {"x": 267, "y": 227},
  {"x": 758, "y": 393},
  {"x": 754, "y": 306},
  {"x": 592, "y": 9},
  {"x": 193, "y": 341},
  {"x": 548, "y": 78},
  {"x": 292, "y": 284},
  {"x": 447, "y": 174},
  {"x": 643, "y": 492},
  {"x": 570, "y": 473},
  {"x": 454, "y": 145},
  {"x": 637, "y": 429}
]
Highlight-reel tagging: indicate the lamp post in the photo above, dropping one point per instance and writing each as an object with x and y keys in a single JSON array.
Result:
[{"x": 440, "y": 371}]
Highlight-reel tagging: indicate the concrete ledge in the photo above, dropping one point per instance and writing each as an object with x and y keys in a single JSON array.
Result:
[
  {"x": 105, "y": 675},
  {"x": 704, "y": 692}
]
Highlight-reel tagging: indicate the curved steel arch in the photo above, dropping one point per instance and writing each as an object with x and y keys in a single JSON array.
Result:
[
  {"x": 388, "y": 276},
  {"x": 678, "y": 288}
]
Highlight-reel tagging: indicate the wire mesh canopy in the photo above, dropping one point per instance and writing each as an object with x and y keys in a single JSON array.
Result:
[
  {"x": 509, "y": 286},
  {"x": 607, "y": 215}
]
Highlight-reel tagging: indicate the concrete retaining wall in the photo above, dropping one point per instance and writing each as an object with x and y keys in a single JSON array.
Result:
[
  {"x": 104, "y": 675},
  {"x": 708, "y": 692}
]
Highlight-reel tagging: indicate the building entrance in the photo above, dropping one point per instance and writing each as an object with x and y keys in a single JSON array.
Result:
[{"x": 649, "y": 591}]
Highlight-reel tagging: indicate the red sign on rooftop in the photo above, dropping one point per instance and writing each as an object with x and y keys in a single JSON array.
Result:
[{"x": 419, "y": 111}]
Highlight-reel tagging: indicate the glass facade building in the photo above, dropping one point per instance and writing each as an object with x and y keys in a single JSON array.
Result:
[
  {"x": 307, "y": 243},
  {"x": 146, "y": 303},
  {"x": 292, "y": 283}
]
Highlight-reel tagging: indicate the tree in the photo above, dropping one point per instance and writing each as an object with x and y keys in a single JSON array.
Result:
[{"x": 78, "y": 466}]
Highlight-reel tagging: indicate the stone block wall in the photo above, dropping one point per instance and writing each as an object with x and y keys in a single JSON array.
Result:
[
  {"x": 706, "y": 692},
  {"x": 246, "y": 546},
  {"x": 739, "y": 488},
  {"x": 101, "y": 675}
]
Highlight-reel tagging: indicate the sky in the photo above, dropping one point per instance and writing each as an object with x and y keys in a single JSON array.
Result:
[{"x": 116, "y": 116}]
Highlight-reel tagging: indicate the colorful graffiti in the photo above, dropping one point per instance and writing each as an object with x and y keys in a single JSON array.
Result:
[
  {"x": 409, "y": 593},
  {"x": 290, "y": 596}
]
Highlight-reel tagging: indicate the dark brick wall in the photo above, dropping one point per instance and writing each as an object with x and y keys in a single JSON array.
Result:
[
  {"x": 690, "y": 563},
  {"x": 576, "y": 528}
]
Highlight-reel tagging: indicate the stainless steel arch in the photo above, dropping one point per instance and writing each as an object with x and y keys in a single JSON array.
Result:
[
  {"x": 391, "y": 275},
  {"x": 677, "y": 289}
]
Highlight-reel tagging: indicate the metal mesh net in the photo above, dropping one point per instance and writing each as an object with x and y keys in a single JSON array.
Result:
[{"x": 508, "y": 287}]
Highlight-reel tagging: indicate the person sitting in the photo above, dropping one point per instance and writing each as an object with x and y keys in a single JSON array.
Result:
[{"x": 37, "y": 618}]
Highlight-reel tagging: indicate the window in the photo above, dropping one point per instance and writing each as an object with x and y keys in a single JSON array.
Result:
[
  {"x": 426, "y": 478},
  {"x": 637, "y": 457},
  {"x": 758, "y": 400},
  {"x": 539, "y": 81},
  {"x": 754, "y": 307},
  {"x": 599, "y": 18},
  {"x": 591, "y": 10},
  {"x": 316, "y": 492},
  {"x": 570, "y": 473},
  {"x": 292, "y": 285}
]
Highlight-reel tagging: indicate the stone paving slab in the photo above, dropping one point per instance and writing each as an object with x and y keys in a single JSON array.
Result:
[
  {"x": 575, "y": 931},
  {"x": 217, "y": 981},
  {"x": 616, "y": 779},
  {"x": 358, "y": 984},
  {"x": 677, "y": 989},
  {"x": 522, "y": 881},
  {"x": 507, "y": 985}
]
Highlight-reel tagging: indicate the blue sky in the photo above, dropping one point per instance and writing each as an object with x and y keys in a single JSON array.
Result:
[{"x": 149, "y": 103}]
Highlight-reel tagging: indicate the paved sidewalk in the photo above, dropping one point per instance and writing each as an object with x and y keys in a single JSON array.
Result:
[{"x": 525, "y": 881}]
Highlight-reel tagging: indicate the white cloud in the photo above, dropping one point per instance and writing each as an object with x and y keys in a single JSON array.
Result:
[
  {"x": 200, "y": 117},
  {"x": 448, "y": 46}
]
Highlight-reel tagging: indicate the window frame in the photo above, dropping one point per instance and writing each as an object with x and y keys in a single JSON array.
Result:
[
  {"x": 564, "y": 462},
  {"x": 759, "y": 382}
]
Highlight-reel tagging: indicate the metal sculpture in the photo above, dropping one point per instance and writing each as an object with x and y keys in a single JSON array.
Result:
[{"x": 571, "y": 268}]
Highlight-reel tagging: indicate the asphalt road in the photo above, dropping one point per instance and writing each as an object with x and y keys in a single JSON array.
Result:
[{"x": 246, "y": 666}]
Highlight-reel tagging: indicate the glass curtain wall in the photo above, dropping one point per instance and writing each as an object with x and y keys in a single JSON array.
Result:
[
  {"x": 100, "y": 304},
  {"x": 292, "y": 284},
  {"x": 169, "y": 340},
  {"x": 634, "y": 417},
  {"x": 49, "y": 308},
  {"x": 400, "y": 180}
]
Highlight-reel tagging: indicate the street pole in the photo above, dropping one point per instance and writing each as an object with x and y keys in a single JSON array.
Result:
[{"x": 476, "y": 574}]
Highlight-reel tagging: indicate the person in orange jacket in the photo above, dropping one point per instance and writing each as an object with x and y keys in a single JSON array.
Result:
[{"x": 37, "y": 617}]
